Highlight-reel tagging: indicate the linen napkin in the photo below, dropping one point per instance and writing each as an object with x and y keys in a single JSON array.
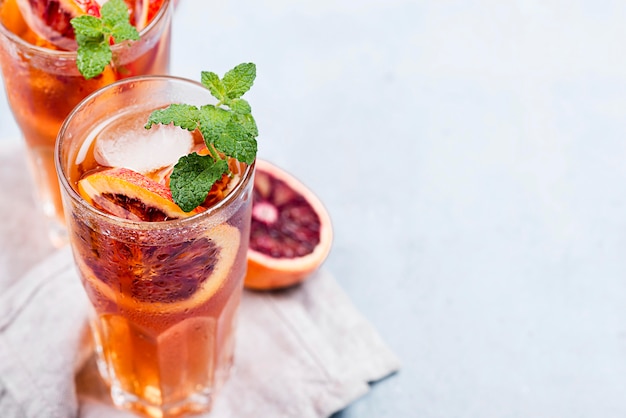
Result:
[{"x": 301, "y": 352}]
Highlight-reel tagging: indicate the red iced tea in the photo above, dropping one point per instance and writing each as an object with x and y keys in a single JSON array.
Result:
[
  {"x": 43, "y": 85},
  {"x": 166, "y": 291}
]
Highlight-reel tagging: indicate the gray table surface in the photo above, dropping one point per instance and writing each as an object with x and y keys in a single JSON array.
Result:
[{"x": 471, "y": 155}]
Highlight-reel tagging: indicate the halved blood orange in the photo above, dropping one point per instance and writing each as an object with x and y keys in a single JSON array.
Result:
[
  {"x": 291, "y": 232},
  {"x": 160, "y": 278},
  {"x": 130, "y": 195}
]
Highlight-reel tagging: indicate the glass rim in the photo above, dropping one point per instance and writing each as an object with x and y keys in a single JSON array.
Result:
[
  {"x": 62, "y": 176},
  {"x": 62, "y": 54}
]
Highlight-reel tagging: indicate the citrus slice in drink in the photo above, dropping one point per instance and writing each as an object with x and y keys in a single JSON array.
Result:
[
  {"x": 151, "y": 273},
  {"x": 50, "y": 19},
  {"x": 146, "y": 10},
  {"x": 291, "y": 232},
  {"x": 160, "y": 278},
  {"x": 130, "y": 195}
]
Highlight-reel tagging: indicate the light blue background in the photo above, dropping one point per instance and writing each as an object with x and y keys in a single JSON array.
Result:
[{"x": 472, "y": 157}]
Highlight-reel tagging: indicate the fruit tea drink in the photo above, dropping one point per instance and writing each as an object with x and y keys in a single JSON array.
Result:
[
  {"x": 43, "y": 85},
  {"x": 165, "y": 292}
]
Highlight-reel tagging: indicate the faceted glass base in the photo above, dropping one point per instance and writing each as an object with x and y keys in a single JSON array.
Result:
[{"x": 196, "y": 403}]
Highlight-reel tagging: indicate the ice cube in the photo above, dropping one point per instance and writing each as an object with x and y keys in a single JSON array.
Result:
[{"x": 142, "y": 150}]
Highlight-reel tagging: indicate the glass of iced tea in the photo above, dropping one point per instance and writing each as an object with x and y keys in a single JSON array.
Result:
[
  {"x": 43, "y": 83},
  {"x": 165, "y": 285}
]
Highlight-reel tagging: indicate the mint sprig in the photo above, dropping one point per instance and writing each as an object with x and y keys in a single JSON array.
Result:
[
  {"x": 94, "y": 34},
  {"x": 228, "y": 129}
]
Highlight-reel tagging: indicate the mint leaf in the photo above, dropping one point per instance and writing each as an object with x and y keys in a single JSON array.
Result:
[
  {"x": 235, "y": 83},
  {"x": 239, "y": 80},
  {"x": 240, "y": 106},
  {"x": 228, "y": 132},
  {"x": 93, "y": 36},
  {"x": 185, "y": 116},
  {"x": 114, "y": 12},
  {"x": 235, "y": 142},
  {"x": 213, "y": 121},
  {"x": 193, "y": 177},
  {"x": 87, "y": 26},
  {"x": 124, "y": 31},
  {"x": 92, "y": 56},
  {"x": 248, "y": 122},
  {"x": 212, "y": 82}
]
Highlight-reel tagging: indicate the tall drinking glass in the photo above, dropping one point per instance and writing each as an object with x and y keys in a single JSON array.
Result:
[
  {"x": 166, "y": 292},
  {"x": 43, "y": 85}
]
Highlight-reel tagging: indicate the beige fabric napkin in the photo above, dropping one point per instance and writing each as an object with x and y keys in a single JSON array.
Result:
[{"x": 303, "y": 352}]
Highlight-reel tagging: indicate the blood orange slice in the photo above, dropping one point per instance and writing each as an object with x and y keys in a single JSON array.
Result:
[
  {"x": 146, "y": 11},
  {"x": 130, "y": 195},
  {"x": 50, "y": 19},
  {"x": 291, "y": 232},
  {"x": 157, "y": 277},
  {"x": 151, "y": 275}
]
